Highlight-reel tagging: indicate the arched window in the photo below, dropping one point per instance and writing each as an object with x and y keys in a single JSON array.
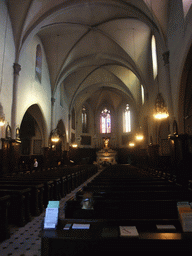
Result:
[
  {"x": 154, "y": 56},
  {"x": 105, "y": 121},
  {"x": 84, "y": 120},
  {"x": 142, "y": 95},
  {"x": 126, "y": 119},
  {"x": 38, "y": 65}
]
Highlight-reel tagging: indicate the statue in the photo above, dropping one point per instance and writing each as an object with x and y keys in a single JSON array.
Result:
[{"x": 106, "y": 143}]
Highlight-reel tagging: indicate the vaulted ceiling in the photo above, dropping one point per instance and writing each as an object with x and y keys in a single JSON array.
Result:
[{"x": 92, "y": 44}]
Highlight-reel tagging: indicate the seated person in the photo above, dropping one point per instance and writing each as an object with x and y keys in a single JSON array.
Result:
[
  {"x": 87, "y": 201},
  {"x": 87, "y": 210}
]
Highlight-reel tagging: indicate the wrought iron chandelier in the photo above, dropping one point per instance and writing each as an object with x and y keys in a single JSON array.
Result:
[
  {"x": 161, "y": 111},
  {"x": 55, "y": 136}
]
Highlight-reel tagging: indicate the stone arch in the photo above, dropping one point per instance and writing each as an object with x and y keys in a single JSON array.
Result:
[{"x": 33, "y": 131}]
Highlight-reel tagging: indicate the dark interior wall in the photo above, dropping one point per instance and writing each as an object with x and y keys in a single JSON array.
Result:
[
  {"x": 134, "y": 156},
  {"x": 82, "y": 155},
  {"x": 188, "y": 98},
  {"x": 9, "y": 157},
  {"x": 181, "y": 157}
]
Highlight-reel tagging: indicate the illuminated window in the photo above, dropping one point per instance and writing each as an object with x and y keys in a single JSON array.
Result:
[
  {"x": 142, "y": 95},
  {"x": 186, "y": 6},
  {"x": 127, "y": 119},
  {"x": 38, "y": 65},
  {"x": 154, "y": 56},
  {"x": 84, "y": 120},
  {"x": 105, "y": 121}
]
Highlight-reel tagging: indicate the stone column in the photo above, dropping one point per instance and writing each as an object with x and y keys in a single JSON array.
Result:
[
  {"x": 16, "y": 70},
  {"x": 52, "y": 108},
  {"x": 69, "y": 128},
  {"x": 166, "y": 57}
]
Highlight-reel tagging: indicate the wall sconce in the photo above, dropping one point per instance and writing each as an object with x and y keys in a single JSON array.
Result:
[
  {"x": 54, "y": 136},
  {"x": 74, "y": 145},
  {"x": 2, "y": 121},
  {"x": 131, "y": 144},
  {"x": 161, "y": 111},
  {"x": 139, "y": 137}
]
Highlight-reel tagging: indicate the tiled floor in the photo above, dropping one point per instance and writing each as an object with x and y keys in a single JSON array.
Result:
[{"x": 26, "y": 241}]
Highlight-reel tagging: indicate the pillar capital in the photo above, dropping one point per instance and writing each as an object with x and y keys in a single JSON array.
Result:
[
  {"x": 166, "y": 57},
  {"x": 52, "y": 101},
  {"x": 16, "y": 68}
]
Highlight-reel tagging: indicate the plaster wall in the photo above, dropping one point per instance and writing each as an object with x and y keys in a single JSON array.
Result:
[
  {"x": 7, "y": 58},
  {"x": 30, "y": 90}
]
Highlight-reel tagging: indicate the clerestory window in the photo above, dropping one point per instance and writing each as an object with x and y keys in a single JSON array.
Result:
[{"x": 126, "y": 119}]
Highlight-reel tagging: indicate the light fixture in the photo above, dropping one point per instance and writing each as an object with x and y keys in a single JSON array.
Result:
[
  {"x": 74, "y": 145},
  {"x": 139, "y": 137},
  {"x": 161, "y": 111},
  {"x": 131, "y": 144},
  {"x": 2, "y": 121},
  {"x": 54, "y": 136},
  {"x": 2, "y": 116}
]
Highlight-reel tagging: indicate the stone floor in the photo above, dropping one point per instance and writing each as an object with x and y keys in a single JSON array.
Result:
[{"x": 26, "y": 241}]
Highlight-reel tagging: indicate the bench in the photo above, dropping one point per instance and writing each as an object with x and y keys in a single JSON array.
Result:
[
  {"x": 125, "y": 209},
  {"x": 36, "y": 199},
  {"x": 4, "y": 225},
  {"x": 103, "y": 237},
  {"x": 19, "y": 210}
]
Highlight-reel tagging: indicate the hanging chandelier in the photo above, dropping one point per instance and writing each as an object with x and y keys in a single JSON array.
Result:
[
  {"x": 139, "y": 137},
  {"x": 55, "y": 136},
  {"x": 161, "y": 111}
]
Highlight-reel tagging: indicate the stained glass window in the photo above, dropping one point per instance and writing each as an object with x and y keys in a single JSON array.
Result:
[
  {"x": 127, "y": 119},
  {"x": 105, "y": 121}
]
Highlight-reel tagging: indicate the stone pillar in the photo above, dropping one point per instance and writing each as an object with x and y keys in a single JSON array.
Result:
[
  {"x": 69, "y": 128},
  {"x": 169, "y": 102},
  {"x": 16, "y": 70},
  {"x": 52, "y": 108}
]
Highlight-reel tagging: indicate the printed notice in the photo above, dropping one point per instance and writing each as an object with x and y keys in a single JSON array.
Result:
[
  {"x": 51, "y": 218},
  {"x": 80, "y": 226},
  {"x": 128, "y": 231},
  {"x": 169, "y": 227}
]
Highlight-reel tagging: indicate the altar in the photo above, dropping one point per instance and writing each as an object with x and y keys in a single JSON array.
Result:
[{"x": 106, "y": 156}]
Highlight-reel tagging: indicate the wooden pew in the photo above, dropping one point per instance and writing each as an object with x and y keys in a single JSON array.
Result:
[
  {"x": 121, "y": 209},
  {"x": 36, "y": 199},
  {"x": 125, "y": 198},
  {"x": 19, "y": 210},
  {"x": 47, "y": 188},
  {"x": 4, "y": 225},
  {"x": 103, "y": 238},
  {"x": 121, "y": 194}
]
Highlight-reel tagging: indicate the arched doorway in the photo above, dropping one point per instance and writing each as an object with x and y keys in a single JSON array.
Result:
[{"x": 32, "y": 135}]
